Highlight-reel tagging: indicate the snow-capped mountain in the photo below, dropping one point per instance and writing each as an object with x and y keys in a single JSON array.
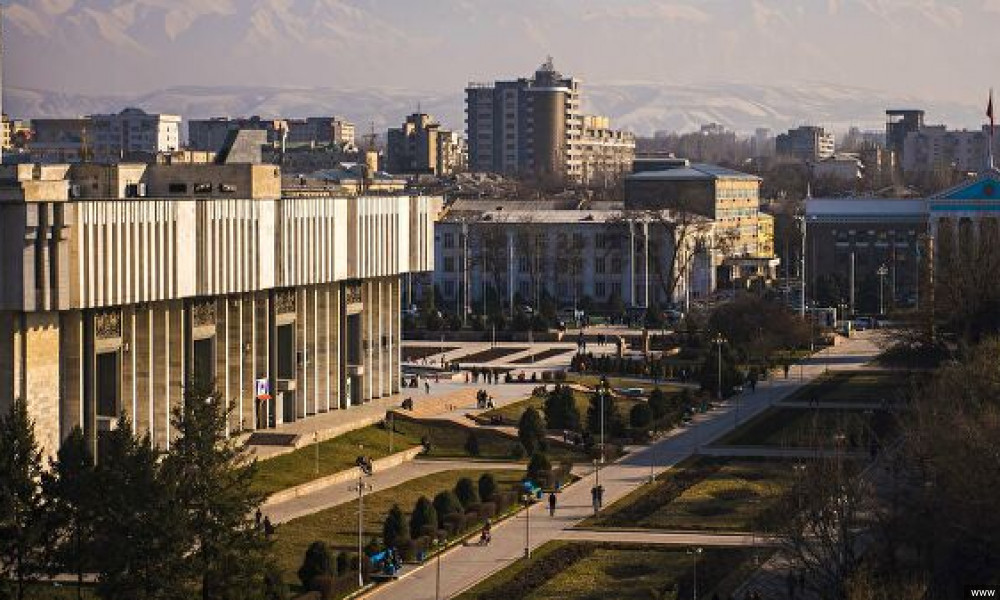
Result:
[{"x": 640, "y": 107}]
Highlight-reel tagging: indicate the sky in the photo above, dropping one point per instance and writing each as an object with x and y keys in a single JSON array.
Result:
[{"x": 938, "y": 50}]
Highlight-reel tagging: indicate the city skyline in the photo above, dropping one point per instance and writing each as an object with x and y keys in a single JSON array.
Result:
[{"x": 907, "y": 48}]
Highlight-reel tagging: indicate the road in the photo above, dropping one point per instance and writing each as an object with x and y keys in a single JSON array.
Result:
[{"x": 464, "y": 566}]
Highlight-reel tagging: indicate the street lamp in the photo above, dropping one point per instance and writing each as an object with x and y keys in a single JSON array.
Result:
[
  {"x": 597, "y": 485},
  {"x": 526, "y": 498},
  {"x": 437, "y": 579},
  {"x": 720, "y": 340},
  {"x": 694, "y": 552},
  {"x": 882, "y": 272}
]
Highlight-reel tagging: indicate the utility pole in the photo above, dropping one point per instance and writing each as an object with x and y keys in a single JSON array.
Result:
[
  {"x": 802, "y": 265},
  {"x": 882, "y": 272}
]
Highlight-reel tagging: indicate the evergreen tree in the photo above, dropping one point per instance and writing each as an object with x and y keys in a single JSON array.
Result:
[
  {"x": 640, "y": 415},
  {"x": 72, "y": 490},
  {"x": 23, "y": 535},
  {"x": 213, "y": 478},
  {"x": 446, "y": 503},
  {"x": 394, "y": 529},
  {"x": 560, "y": 409},
  {"x": 539, "y": 469},
  {"x": 531, "y": 431},
  {"x": 138, "y": 526},
  {"x": 658, "y": 403},
  {"x": 467, "y": 492},
  {"x": 487, "y": 487},
  {"x": 424, "y": 516},
  {"x": 612, "y": 420},
  {"x": 315, "y": 564},
  {"x": 708, "y": 375}
]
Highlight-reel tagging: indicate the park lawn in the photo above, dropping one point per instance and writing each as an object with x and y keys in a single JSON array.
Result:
[
  {"x": 805, "y": 428},
  {"x": 859, "y": 386},
  {"x": 647, "y": 385},
  {"x": 447, "y": 440},
  {"x": 336, "y": 454},
  {"x": 717, "y": 494},
  {"x": 338, "y": 526},
  {"x": 511, "y": 413},
  {"x": 596, "y": 570}
]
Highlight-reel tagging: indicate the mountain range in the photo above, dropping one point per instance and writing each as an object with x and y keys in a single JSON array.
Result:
[{"x": 643, "y": 108}]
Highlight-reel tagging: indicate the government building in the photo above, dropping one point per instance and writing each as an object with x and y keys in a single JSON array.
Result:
[{"x": 123, "y": 283}]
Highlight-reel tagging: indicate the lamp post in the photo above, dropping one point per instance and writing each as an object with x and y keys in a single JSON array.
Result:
[
  {"x": 694, "y": 552},
  {"x": 597, "y": 485},
  {"x": 719, "y": 340},
  {"x": 361, "y": 488},
  {"x": 526, "y": 498},
  {"x": 437, "y": 578},
  {"x": 603, "y": 393},
  {"x": 882, "y": 272}
]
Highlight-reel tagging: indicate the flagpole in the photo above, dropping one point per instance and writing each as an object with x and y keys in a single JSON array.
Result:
[{"x": 989, "y": 141}]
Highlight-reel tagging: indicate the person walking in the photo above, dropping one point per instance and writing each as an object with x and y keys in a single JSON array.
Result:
[
  {"x": 552, "y": 504},
  {"x": 594, "y": 499},
  {"x": 427, "y": 387}
]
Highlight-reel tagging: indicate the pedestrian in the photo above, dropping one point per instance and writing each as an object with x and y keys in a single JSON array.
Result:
[
  {"x": 600, "y": 496},
  {"x": 787, "y": 368},
  {"x": 256, "y": 518},
  {"x": 268, "y": 527},
  {"x": 427, "y": 387},
  {"x": 552, "y": 504},
  {"x": 466, "y": 378},
  {"x": 594, "y": 499}
]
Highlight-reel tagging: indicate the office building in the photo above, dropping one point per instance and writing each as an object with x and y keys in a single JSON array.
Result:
[
  {"x": 321, "y": 131},
  {"x": 843, "y": 167},
  {"x": 534, "y": 127},
  {"x": 132, "y": 133},
  {"x": 210, "y": 134},
  {"x": 123, "y": 282},
  {"x": 58, "y": 140},
  {"x": 899, "y": 124},
  {"x": 421, "y": 147},
  {"x": 806, "y": 143},
  {"x": 606, "y": 154}
]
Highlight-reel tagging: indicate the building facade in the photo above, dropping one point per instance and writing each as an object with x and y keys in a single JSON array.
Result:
[
  {"x": 132, "y": 133},
  {"x": 153, "y": 276},
  {"x": 806, "y": 143},
  {"x": 595, "y": 253},
  {"x": 421, "y": 147},
  {"x": 935, "y": 147},
  {"x": 535, "y": 127}
]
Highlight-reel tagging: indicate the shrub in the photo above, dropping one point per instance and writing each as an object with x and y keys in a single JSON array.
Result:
[
  {"x": 343, "y": 562},
  {"x": 424, "y": 516},
  {"x": 539, "y": 468},
  {"x": 472, "y": 444},
  {"x": 315, "y": 563},
  {"x": 467, "y": 493},
  {"x": 531, "y": 431},
  {"x": 560, "y": 409},
  {"x": 487, "y": 510},
  {"x": 394, "y": 529},
  {"x": 446, "y": 503},
  {"x": 487, "y": 487},
  {"x": 454, "y": 523},
  {"x": 641, "y": 415},
  {"x": 658, "y": 403}
]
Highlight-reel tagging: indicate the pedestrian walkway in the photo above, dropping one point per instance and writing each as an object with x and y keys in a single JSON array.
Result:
[
  {"x": 465, "y": 566},
  {"x": 835, "y": 405},
  {"x": 778, "y": 452}
]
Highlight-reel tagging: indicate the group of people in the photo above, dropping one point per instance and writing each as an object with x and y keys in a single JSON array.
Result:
[
  {"x": 484, "y": 400},
  {"x": 489, "y": 376},
  {"x": 597, "y": 497},
  {"x": 264, "y": 524}
]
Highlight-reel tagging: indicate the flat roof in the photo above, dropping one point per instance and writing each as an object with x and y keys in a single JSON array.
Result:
[{"x": 870, "y": 208}]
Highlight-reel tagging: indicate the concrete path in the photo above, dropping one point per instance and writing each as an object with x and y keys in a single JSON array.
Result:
[
  {"x": 465, "y": 566},
  {"x": 339, "y": 494},
  {"x": 678, "y": 538},
  {"x": 838, "y": 405}
]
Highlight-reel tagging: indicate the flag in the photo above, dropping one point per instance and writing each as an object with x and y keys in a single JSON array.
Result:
[{"x": 989, "y": 112}]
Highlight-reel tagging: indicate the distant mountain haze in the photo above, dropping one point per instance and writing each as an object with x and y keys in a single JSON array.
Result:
[{"x": 744, "y": 63}]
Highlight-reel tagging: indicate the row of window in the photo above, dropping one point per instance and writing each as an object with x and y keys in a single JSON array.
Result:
[{"x": 200, "y": 188}]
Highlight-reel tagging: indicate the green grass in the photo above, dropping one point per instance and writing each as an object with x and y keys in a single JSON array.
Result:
[
  {"x": 511, "y": 413},
  {"x": 338, "y": 526},
  {"x": 591, "y": 571},
  {"x": 718, "y": 494},
  {"x": 859, "y": 386},
  {"x": 447, "y": 440},
  {"x": 804, "y": 428}
]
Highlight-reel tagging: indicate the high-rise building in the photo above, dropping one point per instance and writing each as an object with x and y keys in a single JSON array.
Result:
[
  {"x": 535, "y": 127},
  {"x": 420, "y": 146},
  {"x": 131, "y": 133},
  {"x": 898, "y": 125},
  {"x": 807, "y": 143},
  {"x": 936, "y": 147}
]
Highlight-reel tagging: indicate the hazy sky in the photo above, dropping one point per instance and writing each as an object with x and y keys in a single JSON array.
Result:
[{"x": 933, "y": 49}]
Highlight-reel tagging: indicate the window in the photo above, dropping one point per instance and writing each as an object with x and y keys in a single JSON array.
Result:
[
  {"x": 616, "y": 265},
  {"x": 286, "y": 351},
  {"x": 203, "y": 188},
  {"x": 449, "y": 240},
  {"x": 616, "y": 289},
  {"x": 599, "y": 265},
  {"x": 523, "y": 264},
  {"x": 449, "y": 264},
  {"x": 449, "y": 289},
  {"x": 204, "y": 360},
  {"x": 107, "y": 384},
  {"x": 578, "y": 240},
  {"x": 599, "y": 290},
  {"x": 177, "y": 188},
  {"x": 227, "y": 188},
  {"x": 600, "y": 241}
]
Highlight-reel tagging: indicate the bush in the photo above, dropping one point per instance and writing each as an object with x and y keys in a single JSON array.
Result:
[
  {"x": 454, "y": 523},
  {"x": 472, "y": 444},
  {"x": 640, "y": 416},
  {"x": 531, "y": 431},
  {"x": 487, "y": 510},
  {"x": 539, "y": 468},
  {"x": 394, "y": 529},
  {"x": 315, "y": 563},
  {"x": 424, "y": 516},
  {"x": 467, "y": 492},
  {"x": 446, "y": 503},
  {"x": 487, "y": 487}
]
